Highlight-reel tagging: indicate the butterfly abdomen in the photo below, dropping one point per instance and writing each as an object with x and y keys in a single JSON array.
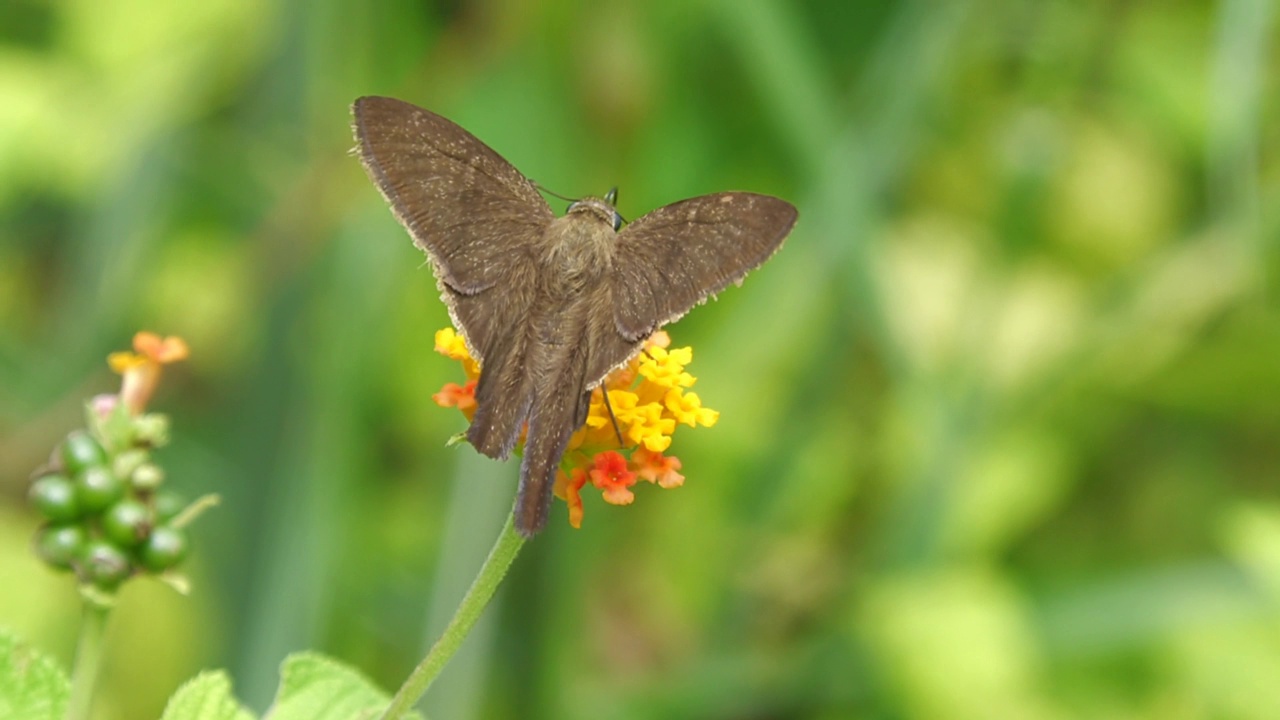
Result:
[
  {"x": 540, "y": 355},
  {"x": 557, "y": 411}
]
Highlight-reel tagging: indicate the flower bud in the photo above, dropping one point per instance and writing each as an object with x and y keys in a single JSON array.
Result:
[
  {"x": 151, "y": 430},
  {"x": 127, "y": 462},
  {"x": 147, "y": 477}
]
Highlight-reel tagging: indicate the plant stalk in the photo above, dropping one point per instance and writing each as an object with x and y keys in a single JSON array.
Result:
[
  {"x": 89, "y": 647},
  {"x": 491, "y": 573}
]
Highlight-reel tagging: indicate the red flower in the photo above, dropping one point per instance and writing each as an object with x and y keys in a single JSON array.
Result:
[{"x": 609, "y": 473}]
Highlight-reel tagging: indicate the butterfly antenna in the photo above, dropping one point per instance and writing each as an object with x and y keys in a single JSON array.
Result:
[
  {"x": 610, "y": 197},
  {"x": 553, "y": 193}
]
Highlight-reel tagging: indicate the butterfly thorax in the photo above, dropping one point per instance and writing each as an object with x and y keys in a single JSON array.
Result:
[{"x": 580, "y": 244}]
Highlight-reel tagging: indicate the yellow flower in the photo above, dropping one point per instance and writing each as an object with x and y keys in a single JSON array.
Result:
[
  {"x": 666, "y": 368},
  {"x": 450, "y": 344},
  {"x": 141, "y": 369},
  {"x": 687, "y": 408},
  {"x": 649, "y": 428},
  {"x": 625, "y": 407}
]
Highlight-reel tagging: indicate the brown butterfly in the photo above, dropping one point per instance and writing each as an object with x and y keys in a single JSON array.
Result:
[{"x": 549, "y": 305}]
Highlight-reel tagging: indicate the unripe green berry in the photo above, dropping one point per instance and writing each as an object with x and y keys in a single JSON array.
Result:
[
  {"x": 127, "y": 523},
  {"x": 60, "y": 545},
  {"x": 168, "y": 504},
  {"x": 97, "y": 488},
  {"x": 55, "y": 497},
  {"x": 104, "y": 564},
  {"x": 80, "y": 451},
  {"x": 166, "y": 547}
]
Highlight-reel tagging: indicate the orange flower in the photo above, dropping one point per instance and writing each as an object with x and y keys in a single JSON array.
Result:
[
  {"x": 569, "y": 488},
  {"x": 161, "y": 350},
  {"x": 141, "y": 368},
  {"x": 462, "y": 397},
  {"x": 611, "y": 475},
  {"x": 657, "y": 468}
]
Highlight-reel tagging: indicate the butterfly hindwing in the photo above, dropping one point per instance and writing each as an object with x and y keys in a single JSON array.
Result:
[{"x": 677, "y": 256}]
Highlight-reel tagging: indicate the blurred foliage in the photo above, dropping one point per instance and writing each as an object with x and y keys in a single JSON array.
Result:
[{"x": 1001, "y": 423}]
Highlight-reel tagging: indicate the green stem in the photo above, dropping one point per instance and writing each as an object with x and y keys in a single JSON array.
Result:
[
  {"x": 473, "y": 604},
  {"x": 93, "y": 628}
]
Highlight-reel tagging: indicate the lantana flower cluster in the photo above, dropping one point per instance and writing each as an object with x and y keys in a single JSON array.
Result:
[{"x": 649, "y": 396}]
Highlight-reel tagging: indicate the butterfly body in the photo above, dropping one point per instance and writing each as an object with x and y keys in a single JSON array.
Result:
[{"x": 549, "y": 305}]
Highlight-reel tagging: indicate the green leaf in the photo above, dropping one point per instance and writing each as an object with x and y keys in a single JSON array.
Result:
[
  {"x": 314, "y": 687},
  {"x": 32, "y": 686},
  {"x": 207, "y": 696}
]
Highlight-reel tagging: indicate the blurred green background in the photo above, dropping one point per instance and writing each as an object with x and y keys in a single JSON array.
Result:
[{"x": 1001, "y": 423}]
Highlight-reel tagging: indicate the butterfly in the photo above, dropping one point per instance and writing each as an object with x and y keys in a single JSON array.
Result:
[{"x": 549, "y": 305}]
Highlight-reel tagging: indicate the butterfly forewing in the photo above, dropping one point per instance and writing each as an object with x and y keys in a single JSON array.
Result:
[
  {"x": 477, "y": 217},
  {"x": 677, "y": 256}
]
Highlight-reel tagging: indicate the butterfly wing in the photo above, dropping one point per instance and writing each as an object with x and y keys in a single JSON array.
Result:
[
  {"x": 479, "y": 220},
  {"x": 677, "y": 256}
]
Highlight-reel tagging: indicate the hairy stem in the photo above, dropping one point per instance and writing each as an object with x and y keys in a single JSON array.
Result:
[{"x": 469, "y": 611}]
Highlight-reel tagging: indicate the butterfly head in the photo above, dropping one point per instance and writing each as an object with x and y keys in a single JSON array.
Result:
[{"x": 603, "y": 209}]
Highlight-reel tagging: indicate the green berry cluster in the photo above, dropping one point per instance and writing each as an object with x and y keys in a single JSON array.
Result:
[{"x": 107, "y": 517}]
